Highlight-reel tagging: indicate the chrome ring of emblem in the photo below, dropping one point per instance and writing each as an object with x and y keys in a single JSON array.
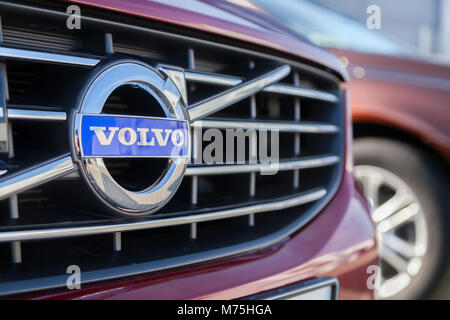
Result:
[{"x": 92, "y": 100}]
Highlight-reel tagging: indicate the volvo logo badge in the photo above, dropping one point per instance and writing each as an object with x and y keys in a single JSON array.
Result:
[
  {"x": 113, "y": 136},
  {"x": 99, "y": 134}
]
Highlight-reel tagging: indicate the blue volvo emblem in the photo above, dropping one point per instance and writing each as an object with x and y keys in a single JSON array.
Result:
[
  {"x": 113, "y": 136},
  {"x": 98, "y": 135}
]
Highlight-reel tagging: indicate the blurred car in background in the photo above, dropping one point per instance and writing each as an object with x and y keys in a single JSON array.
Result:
[{"x": 402, "y": 142}]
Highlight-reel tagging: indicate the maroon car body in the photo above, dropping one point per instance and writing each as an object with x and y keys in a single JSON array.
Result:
[{"x": 339, "y": 242}]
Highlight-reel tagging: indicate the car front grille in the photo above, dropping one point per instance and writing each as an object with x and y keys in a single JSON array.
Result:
[{"x": 50, "y": 219}]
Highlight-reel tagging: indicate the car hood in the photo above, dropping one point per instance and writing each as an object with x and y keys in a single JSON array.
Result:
[{"x": 240, "y": 20}]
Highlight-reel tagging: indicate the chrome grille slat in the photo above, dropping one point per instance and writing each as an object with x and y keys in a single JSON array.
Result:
[
  {"x": 223, "y": 80},
  {"x": 218, "y": 215},
  {"x": 284, "y": 126},
  {"x": 41, "y": 56},
  {"x": 210, "y": 78},
  {"x": 30, "y": 114},
  {"x": 313, "y": 162},
  {"x": 35, "y": 176},
  {"x": 302, "y": 92}
]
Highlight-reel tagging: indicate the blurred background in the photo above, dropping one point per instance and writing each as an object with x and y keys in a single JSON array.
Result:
[
  {"x": 397, "y": 54},
  {"x": 423, "y": 25}
]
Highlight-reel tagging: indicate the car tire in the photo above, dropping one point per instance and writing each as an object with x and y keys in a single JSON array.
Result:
[{"x": 428, "y": 180}]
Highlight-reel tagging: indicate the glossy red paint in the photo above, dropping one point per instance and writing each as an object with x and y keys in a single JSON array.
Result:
[
  {"x": 404, "y": 93},
  {"x": 244, "y": 22}
]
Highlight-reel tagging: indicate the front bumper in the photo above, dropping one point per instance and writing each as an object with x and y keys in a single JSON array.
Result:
[{"x": 339, "y": 242}]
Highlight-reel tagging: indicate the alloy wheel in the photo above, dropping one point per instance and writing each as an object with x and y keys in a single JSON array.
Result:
[{"x": 401, "y": 228}]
